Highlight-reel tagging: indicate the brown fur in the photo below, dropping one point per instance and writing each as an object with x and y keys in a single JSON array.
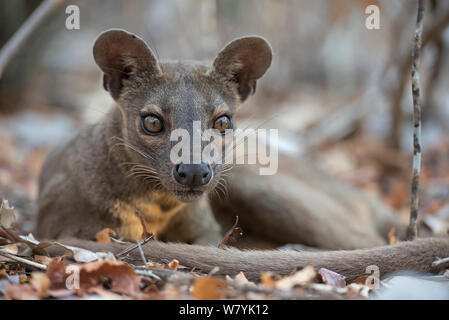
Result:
[{"x": 95, "y": 180}]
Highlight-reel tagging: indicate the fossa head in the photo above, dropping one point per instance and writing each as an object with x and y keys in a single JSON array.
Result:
[{"x": 157, "y": 97}]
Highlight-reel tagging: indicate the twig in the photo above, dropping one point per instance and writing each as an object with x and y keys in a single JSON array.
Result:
[
  {"x": 118, "y": 241},
  {"x": 142, "y": 255},
  {"x": 28, "y": 27},
  {"x": 128, "y": 250},
  {"x": 412, "y": 229},
  {"x": 147, "y": 273},
  {"x": 432, "y": 35},
  {"x": 24, "y": 261},
  {"x": 438, "y": 262}
]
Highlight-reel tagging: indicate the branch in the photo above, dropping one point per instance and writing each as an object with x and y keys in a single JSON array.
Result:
[
  {"x": 28, "y": 27},
  {"x": 432, "y": 35},
  {"x": 133, "y": 247},
  {"x": 439, "y": 262},
  {"x": 416, "y": 93},
  {"x": 23, "y": 261}
]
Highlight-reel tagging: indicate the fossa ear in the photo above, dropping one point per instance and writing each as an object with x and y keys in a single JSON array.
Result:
[
  {"x": 243, "y": 61},
  {"x": 120, "y": 55}
]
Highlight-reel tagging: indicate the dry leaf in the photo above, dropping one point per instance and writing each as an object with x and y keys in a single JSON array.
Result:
[
  {"x": 3, "y": 274},
  {"x": 7, "y": 216},
  {"x": 355, "y": 289},
  {"x": 80, "y": 254},
  {"x": 306, "y": 275},
  {"x": 23, "y": 278},
  {"x": 42, "y": 259},
  {"x": 156, "y": 265},
  {"x": 10, "y": 248},
  {"x": 56, "y": 272},
  {"x": 117, "y": 276},
  {"x": 240, "y": 277},
  {"x": 267, "y": 279},
  {"x": 120, "y": 277},
  {"x": 172, "y": 292},
  {"x": 20, "y": 292},
  {"x": 332, "y": 278},
  {"x": 36, "y": 246},
  {"x": 41, "y": 283},
  {"x": 104, "y": 235},
  {"x": 105, "y": 294},
  {"x": 173, "y": 265},
  {"x": 209, "y": 288},
  {"x": 361, "y": 280},
  {"x": 60, "y": 293}
]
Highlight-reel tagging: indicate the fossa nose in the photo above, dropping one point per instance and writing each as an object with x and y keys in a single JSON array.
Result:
[{"x": 192, "y": 175}]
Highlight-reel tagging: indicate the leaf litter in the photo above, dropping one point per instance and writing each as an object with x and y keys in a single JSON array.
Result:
[{"x": 27, "y": 272}]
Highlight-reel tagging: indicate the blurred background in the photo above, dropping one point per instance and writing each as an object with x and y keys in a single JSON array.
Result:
[{"x": 340, "y": 92}]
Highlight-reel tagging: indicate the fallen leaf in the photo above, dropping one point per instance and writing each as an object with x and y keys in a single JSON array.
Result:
[
  {"x": 305, "y": 275},
  {"x": 156, "y": 265},
  {"x": 361, "y": 280},
  {"x": 7, "y": 216},
  {"x": 10, "y": 248},
  {"x": 36, "y": 246},
  {"x": 23, "y": 278},
  {"x": 267, "y": 279},
  {"x": 20, "y": 292},
  {"x": 80, "y": 254},
  {"x": 355, "y": 289},
  {"x": 209, "y": 288},
  {"x": 42, "y": 259},
  {"x": 56, "y": 272},
  {"x": 240, "y": 277},
  {"x": 332, "y": 278},
  {"x": 104, "y": 236},
  {"x": 105, "y": 294},
  {"x": 120, "y": 277},
  {"x": 171, "y": 292},
  {"x": 61, "y": 293},
  {"x": 41, "y": 283},
  {"x": 3, "y": 274},
  {"x": 173, "y": 265}
]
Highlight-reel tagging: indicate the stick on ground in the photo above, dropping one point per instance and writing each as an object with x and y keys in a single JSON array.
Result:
[
  {"x": 416, "y": 93},
  {"x": 24, "y": 261}
]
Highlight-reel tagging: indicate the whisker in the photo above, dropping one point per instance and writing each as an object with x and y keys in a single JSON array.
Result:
[{"x": 132, "y": 147}]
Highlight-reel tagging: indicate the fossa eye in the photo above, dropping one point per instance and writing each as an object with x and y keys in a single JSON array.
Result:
[
  {"x": 222, "y": 124},
  {"x": 152, "y": 124}
]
